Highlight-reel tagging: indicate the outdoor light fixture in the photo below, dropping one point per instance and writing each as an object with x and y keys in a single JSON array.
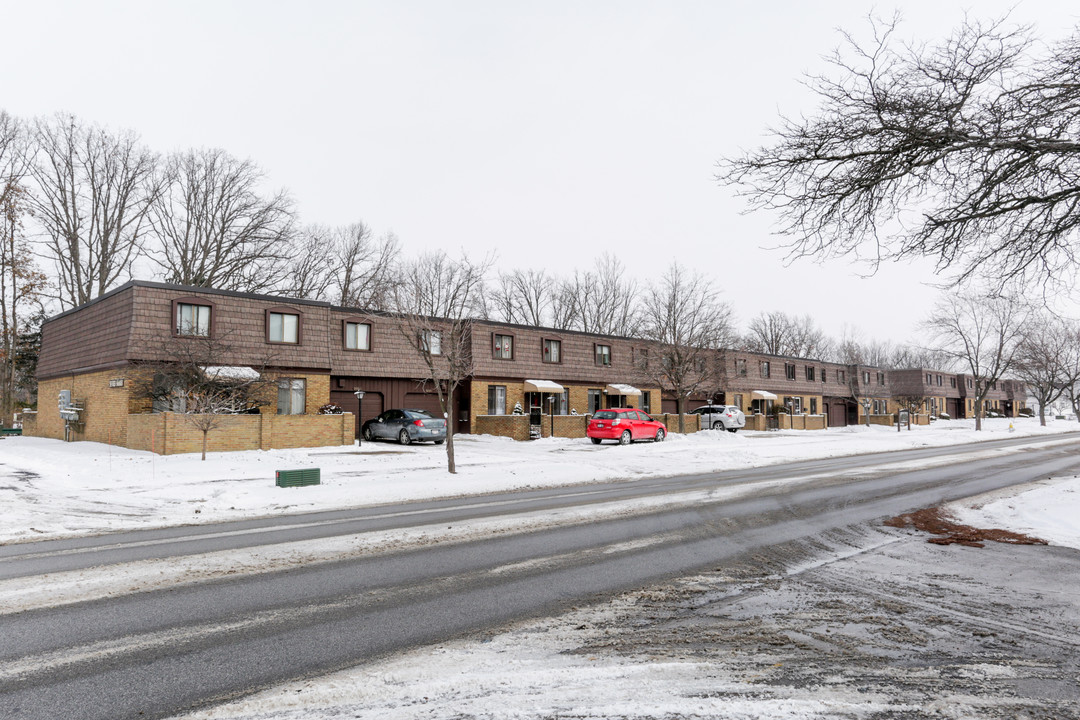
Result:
[
  {"x": 551, "y": 412},
  {"x": 359, "y": 404}
]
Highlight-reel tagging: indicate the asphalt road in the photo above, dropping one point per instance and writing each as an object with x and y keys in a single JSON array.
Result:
[{"x": 158, "y": 653}]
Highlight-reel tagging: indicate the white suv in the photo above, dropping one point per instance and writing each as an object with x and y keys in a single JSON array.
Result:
[{"x": 727, "y": 417}]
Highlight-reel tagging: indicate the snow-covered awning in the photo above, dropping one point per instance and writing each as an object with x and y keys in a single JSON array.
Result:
[
  {"x": 618, "y": 389},
  {"x": 230, "y": 372},
  {"x": 762, "y": 395},
  {"x": 543, "y": 386}
]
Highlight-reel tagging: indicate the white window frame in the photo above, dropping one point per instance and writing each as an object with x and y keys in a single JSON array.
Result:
[
  {"x": 431, "y": 341},
  {"x": 284, "y": 328},
  {"x": 197, "y": 322},
  {"x": 352, "y": 336}
]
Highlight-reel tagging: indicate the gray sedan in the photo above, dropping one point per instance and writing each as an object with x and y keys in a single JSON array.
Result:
[{"x": 406, "y": 426}]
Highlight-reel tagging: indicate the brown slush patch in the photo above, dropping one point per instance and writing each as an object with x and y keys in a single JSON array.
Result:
[{"x": 937, "y": 521}]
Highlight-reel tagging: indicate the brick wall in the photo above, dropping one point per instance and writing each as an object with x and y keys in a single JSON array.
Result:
[
  {"x": 105, "y": 409},
  {"x": 691, "y": 423},
  {"x": 511, "y": 426},
  {"x": 172, "y": 433}
]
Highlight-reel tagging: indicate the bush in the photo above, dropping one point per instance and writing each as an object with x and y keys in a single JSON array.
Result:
[
  {"x": 331, "y": 409},
  {"x": 1026, "y": 412},
  {"x": 944, "y": 416}
]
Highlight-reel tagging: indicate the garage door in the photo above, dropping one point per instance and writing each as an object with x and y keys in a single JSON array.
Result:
[
  {"x": 423, "y": 401},
  {"x": 373, "y": 405},
  {"x": 837, "y": 414},
  {"x": 670, "y": 407}
]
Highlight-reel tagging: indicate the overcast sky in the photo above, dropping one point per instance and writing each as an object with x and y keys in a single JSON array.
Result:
[{"x": 546, "y": 132}]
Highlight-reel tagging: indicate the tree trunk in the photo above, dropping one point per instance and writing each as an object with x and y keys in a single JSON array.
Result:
[
  {"x": 978, "y": 414},
  {"x": 204, "y": 433},
  {"x": 680, "y": 405},
  {"x": 1042, "y": 414},
  {"x": 451, "y": 467}
]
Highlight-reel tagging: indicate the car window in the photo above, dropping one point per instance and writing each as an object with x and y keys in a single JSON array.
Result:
[
  {"x": 605, "y": 415},
  {"x": 643, "y": 416},
  {"x": 418, "y": 414},
  {"x": 394, "y": 415}
]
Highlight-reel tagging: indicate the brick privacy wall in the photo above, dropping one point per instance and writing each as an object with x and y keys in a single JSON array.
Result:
[
  {"x": 171, "y": 433},
  {"x": 801, "y": 422},
  {"x": 566, "y": 426},
  {"x": 95, "y": 335},
  {"x": 692, "y": 423},
  {"x": 511, "y": 426},
  {"x": 105, "y": 409}
]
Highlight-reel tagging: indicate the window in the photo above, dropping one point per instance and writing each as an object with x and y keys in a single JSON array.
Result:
[
  {"x": 641, "y": 358},
  {"x": 939, "y": 380},
  {"x": 813, "y": 406},
  {"x": 646, "y": 401},
  {"x": 291, "y": 396},
  {"x": 810, "y": 372},
  {"x": 738, "y": 401},
  {"x": 431, "y": 341},
  {"x": 192, "y": 319},
  {"x": 789, "y": 370},
  {"x": 552, "y": 351},
  {"x": 881, "y": 378},
  {"x": 603, "y": 354},
  {"x": 357, "y": 336},
  {"x": 496, "y": 399},
  {"x": 822, "y": 374},
  {"x": 840, "y": 376},
  {"x": 503, "y": 348},
  {"x": 969, "y": 382},
  {"x": 283, "y": 327},
  {"x": 866, "y": 377},
  {"x": 795, "y": 403},
  {"x": 740, "y": 368},
  {"x": 952, "y": 382},
  {"x": 764, "y": 368},
  {"x": 929, "y": 379},
  {"x": 594, "y": 401}
]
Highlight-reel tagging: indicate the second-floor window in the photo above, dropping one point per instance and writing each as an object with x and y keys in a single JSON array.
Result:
[
  {"x": 840, "y": 376},
  {"x": 431, "y": 341},
  {"x": 603, "y": 354},
  {"x": 881, "y": 378},
  {"x": 866, "y": 377},
  {"x": 740, "y": 368},
  {"x": 764, "y": 368},
  {"x": 929, "y": 379},
  {"x": 789, "y": 370},
  {"x": 504, "y": 347},
  {"x": 284, "y": 328},
  {"x": 810, "y": 372},
  {"x": 192, "y": 319},
  {"x": 552, "y": 351},
  {"x": 357, "y": 336}
]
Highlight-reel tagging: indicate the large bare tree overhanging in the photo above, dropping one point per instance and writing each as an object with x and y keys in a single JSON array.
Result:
[
  {"x": 778, "y": 333},
  {"x": 687, "y": 322},
  {"x": 215, "y": 228},
  {"x": 92, "y": 191},
  {"x": 981, "y": 334},
  {"x": 435, "y": 299},
  {"x": 966, "y": 151},
  {"x": 347, "y": 265}
]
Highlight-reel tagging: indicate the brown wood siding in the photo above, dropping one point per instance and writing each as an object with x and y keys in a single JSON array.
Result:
[{"x": 95, "y": 336}]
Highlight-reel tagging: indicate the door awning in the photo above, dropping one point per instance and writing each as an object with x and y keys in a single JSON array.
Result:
[
  {"x": 762, "y": 395},
  {"x": 230, "y": 372},
  {"x": 619, "y": 389},
  {"x": 543, "y": 386}
]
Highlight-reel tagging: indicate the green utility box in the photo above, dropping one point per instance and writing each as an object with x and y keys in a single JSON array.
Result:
[
  {"x": 296, "y": 478},
  {"x": 10, "y": 431}
]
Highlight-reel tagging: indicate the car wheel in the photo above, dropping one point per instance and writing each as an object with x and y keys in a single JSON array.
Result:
[
  {"x": 624, "y": 439},
  {"x": 368, "y": 435},
  {"x": 733, "y": 430},
  {"x": 439, "y": 442},
  {"x": 404, "y": 438},
  {"x": 659, "y": 436},
  {"x": 718, "y": 425},
  {"x": 595, "y": 441}
]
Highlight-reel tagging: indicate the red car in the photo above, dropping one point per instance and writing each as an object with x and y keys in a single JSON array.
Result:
[{"x": 624, "y": 425}]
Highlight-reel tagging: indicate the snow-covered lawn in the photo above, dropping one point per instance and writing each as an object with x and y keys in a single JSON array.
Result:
[{"x": 52, "y": 489}]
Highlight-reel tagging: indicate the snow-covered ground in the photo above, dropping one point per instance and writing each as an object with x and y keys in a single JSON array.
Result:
[
  {"x": 530, "y": 670},
  {"x": 54, "y": 489}
]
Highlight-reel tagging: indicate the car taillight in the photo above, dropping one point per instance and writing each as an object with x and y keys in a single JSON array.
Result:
[
  {"x": 616, "y": 421},
  {"x": 418, "y": 423}
]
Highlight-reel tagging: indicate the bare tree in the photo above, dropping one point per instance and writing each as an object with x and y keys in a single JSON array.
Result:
[
  {"x": 608, "y": 300},
  {"x": 981, "y": 334},
  {"x": 214, "y": 227},
  {"x": 434, "y": 299},
  {"x": 778, "y": 333},
  {"x": 523, "y": 296},
  {"x": 366, "y": 266},
  {"x": 22, "y": 284},
  {"x": 912, "y": 403},
  {"x": 312, "y": 269},
  {"x": 686, "y": 321},
  {"x": 965, "y": 151},
  {"x": 93, "y": 191},
  {"x": 1046, "y": 358},
  {"x": 194, "y": 383}
]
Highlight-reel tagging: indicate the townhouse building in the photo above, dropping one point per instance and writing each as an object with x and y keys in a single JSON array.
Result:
[{"x": 314, "y": 354}]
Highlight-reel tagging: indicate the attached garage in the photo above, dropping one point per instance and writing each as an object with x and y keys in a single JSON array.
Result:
[
  {"x": 372, "y": 405},
  {"x": 837, "y": 413},
  {"x": 428, "y": 402}
]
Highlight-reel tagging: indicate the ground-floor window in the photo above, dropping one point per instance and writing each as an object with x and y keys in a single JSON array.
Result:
[
  {"x": 594, "y": 401},
  {"x": 646, "y": 401},
  {"x": 496, "y": 400},
  {"x": 291, "y": 397},
  {"x": 616, "y": 401},
  {"x": 737, "y": 400},
  {"x": 813, "y": 406},
  {"x": 795, "y": 403}
]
